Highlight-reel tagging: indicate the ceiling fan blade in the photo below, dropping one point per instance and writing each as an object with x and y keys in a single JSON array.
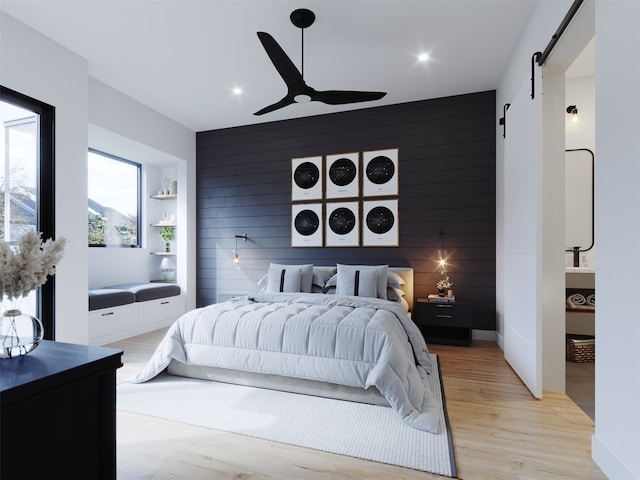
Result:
[
  {"x": 340, "y": 97},
  {"x": 282, "y": 103},
  {"x": 285, "y": 67}
]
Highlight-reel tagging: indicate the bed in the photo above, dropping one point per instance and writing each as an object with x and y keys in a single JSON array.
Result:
[{"x": 342, "y": 331}]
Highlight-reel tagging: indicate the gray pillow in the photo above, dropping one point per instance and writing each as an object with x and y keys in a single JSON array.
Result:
[
  {"x": 321, "y": 275},
  {"x": 381, "y": 277},
  {"x": 358, "y": 283},
  {"x": 306, "y": 274},
  {"x": 283, "y": 280}
]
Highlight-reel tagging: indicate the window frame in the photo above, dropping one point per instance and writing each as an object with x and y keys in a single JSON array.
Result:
[
  {"x": 138, "y": 166},
  {"x": 46, "y": 219}
]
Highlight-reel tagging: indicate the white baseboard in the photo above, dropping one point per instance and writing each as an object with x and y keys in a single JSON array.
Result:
[{"x": 608, "y": 462}]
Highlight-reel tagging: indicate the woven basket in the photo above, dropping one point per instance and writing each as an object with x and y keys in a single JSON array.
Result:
[{"x": 581, "y": 351}]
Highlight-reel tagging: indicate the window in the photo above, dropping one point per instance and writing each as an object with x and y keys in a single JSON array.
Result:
[
  {"x": 27, "y": 196},
  {"x": 114, "y": 201}
]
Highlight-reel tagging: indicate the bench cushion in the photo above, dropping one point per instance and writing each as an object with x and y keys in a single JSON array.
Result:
[
  {"x": 109, "y": 297},
  {"x": 149, "y": 291}
]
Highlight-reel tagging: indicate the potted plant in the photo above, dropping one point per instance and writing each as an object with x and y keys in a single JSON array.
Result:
[{"x": 168, "y": 235}]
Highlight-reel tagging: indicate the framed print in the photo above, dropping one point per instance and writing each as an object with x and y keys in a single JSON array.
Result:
[
  {"x": 306, "y": 225},
  {"x": 342, "y": 225},
  {"x": 342, "y": 175},
  {"x": 380, "y": 173},
  {"x": 380, "y": 223},
  {"x": 306, "y": 178}
]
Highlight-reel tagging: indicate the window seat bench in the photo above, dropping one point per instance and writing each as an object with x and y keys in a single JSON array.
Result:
[{"x": 121, "y": 311}]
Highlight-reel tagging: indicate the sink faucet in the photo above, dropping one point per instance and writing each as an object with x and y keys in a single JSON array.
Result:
[{"x": 576, "y": 256}]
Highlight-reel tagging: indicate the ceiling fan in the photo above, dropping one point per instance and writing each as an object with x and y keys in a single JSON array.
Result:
[{"x": 297, "y": 90}]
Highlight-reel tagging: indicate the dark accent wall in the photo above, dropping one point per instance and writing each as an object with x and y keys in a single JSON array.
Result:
[{"x": 447, "y": 183}]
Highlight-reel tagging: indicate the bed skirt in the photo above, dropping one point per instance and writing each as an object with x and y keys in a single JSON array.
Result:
[{"x": 370, "y": 395}]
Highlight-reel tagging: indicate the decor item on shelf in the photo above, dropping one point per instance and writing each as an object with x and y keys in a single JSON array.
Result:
[
  {"x": 167, "y": 234},
  {"x": 173, "y": 188},
  {"x": 236, "y": 257},
  {"x": 166, "y": 185},
  {"x": 168, "y": 269},
  {"x": 445, "y": 285},
  {"x": 24, "y": 268},
  {"x": 573, "y": 111}
]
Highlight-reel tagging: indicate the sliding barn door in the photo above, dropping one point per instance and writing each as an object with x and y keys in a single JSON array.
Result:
[{"x": 522, "y": 295}]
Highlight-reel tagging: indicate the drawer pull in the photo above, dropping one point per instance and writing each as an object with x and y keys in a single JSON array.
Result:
[
  {"x": 108, "y": 313},
  {"x": 164, "y": 303},
  {"x": 444, "y": 306},
  {"x": 444, "y": 316}
]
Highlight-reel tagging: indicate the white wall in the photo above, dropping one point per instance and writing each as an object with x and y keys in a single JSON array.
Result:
[
  {"x": 616, "y": 444},
  {"x": 33, "y": 65},
  {"x": 123, "y": 126}
]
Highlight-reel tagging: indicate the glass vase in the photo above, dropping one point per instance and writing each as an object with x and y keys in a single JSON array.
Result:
[{"x": 19, "y": 333}]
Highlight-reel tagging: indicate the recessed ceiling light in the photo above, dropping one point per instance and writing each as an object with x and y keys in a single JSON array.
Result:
[
  {"x": 237, "y": 91},
  {"x": 423, "y": 57}
]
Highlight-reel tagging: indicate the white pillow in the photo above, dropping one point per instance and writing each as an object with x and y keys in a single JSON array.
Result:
[
  {"x": 381, "y": 277},
  {"x": 358, "y": 283},
  {"x": 306, "y": 274},
  {"x": 283, "y": 280},
  {"x": 394, "y": 280}
]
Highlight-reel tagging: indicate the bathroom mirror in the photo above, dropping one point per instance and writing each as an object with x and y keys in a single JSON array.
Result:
[{"x": 579, "y": 201}]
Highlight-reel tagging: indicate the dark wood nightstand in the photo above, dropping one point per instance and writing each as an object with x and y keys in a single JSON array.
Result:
[{"x": 444, "y": 323}]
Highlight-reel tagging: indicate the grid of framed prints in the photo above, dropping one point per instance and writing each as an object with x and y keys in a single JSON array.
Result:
[{"x": 345, "y": 200}]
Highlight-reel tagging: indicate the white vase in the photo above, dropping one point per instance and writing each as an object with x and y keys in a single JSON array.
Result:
[{"x": 19, "y": 333}]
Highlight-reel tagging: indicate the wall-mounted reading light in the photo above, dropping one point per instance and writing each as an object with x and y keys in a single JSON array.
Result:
[
  {"x": 442, "y": 255},
  {"x": 236, "y": 257},
  {"x": 573, "y": 111}
]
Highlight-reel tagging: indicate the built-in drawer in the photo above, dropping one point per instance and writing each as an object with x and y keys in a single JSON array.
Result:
[
  {"x": 110, "y": 320},
  {"x": 160, "y": 310}
]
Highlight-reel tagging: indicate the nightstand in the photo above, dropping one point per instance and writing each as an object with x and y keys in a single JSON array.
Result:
[{"x": 444, "y": 323}]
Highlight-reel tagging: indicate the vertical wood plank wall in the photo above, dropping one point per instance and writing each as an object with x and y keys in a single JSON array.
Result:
[{"x": 446, "y": 182}]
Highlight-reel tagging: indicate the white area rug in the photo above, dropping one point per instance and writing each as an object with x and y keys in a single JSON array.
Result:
[{"x": 364, "y": 431}]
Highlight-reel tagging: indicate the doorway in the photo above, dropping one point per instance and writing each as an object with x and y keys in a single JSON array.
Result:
[{"x": 581, "y": 264}]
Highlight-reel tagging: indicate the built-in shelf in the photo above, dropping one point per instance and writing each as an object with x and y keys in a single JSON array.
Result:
[
  {"x": 163, "y": 253},
  {"x": 163, "y": 281},
  {"x": 164, "y": 224},
  {"x": 165, "y": 197}
]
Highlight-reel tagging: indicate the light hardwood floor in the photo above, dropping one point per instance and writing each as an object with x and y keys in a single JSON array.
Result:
[{"x": 500, "y": 432}]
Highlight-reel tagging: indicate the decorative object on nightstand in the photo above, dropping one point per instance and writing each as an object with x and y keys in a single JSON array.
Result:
[
  {"x": 444, "y": 287},
  {"x": 443, "y": 320},
  {"x": 22, "y": 270}
]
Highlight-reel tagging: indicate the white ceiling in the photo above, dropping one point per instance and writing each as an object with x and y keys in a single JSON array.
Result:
[{"x": 184, "y": 57}]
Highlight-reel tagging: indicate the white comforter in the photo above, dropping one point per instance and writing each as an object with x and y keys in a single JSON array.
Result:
[{"x": 344, "y": 340}]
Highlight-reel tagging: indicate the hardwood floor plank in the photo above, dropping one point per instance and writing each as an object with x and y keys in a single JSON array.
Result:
[{"x": 500, "y": 432}]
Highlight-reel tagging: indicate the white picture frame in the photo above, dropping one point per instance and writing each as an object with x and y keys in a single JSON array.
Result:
[
  {"x": 342, "y": 178},
  {"x": 342, "y": 224},
  {"x": 380, "y": 173},
  {"x": 306, "y": 178},
  {"x": 380, "y": 223},
  {"x": 306, "y": 225}
]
